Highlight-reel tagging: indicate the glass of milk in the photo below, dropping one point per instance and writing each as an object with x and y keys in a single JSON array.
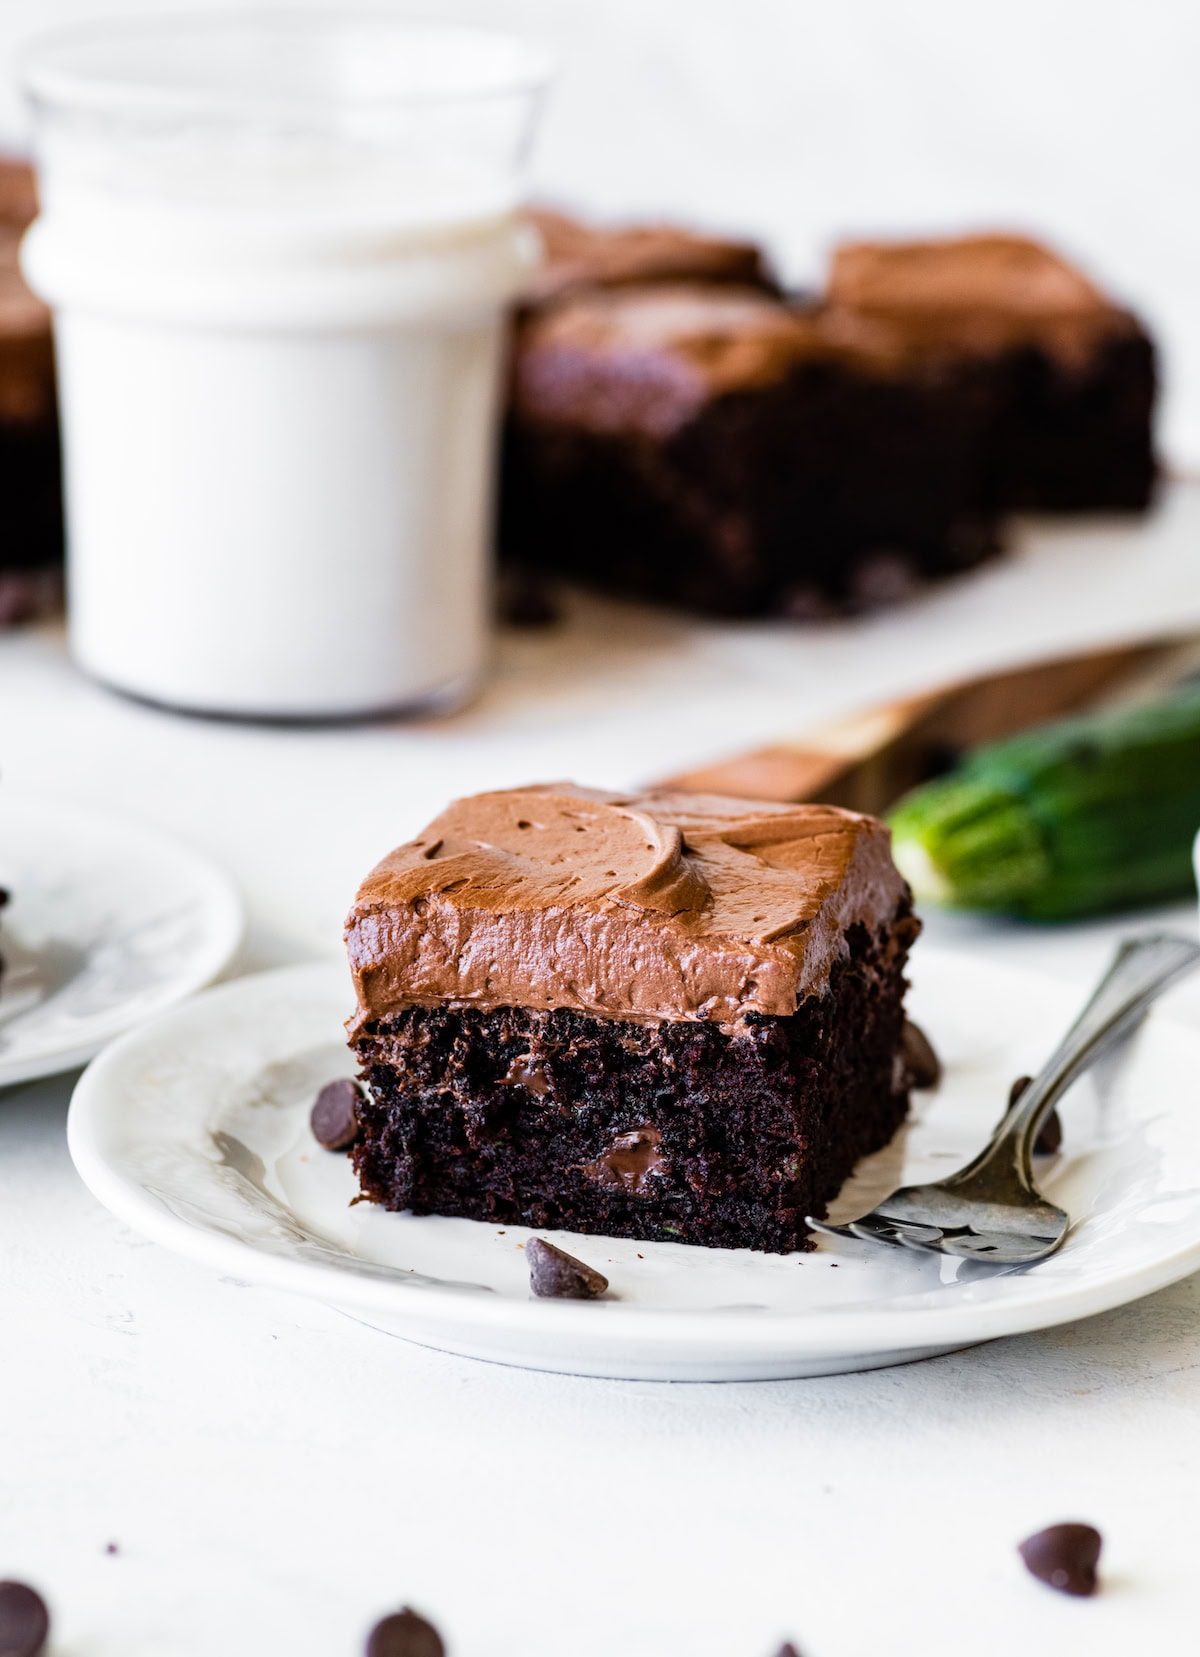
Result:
[{"x": 279, "y": 248}]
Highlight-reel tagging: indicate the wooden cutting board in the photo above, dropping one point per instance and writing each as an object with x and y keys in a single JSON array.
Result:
[{"x": 868, "y": 760}]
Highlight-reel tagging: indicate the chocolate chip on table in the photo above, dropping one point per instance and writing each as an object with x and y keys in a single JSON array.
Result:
[
  {"x": 24, "y": 1621},
  {"x": 525, "y": 599},
  {"x": 554, "y": 1272},
  {"x": 920, "y": 1061},
  {"x": 1064, "y": 1557},
  {"x": 404, "y": 1634},
  {"x": 334, "y": 1118},
  {"x": 1049, "y": 1135}
]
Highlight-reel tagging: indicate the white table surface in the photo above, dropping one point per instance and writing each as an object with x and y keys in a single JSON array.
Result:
[{"x": 275, "y": 1475}]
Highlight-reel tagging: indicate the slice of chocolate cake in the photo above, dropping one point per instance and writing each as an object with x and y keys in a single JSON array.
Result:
[
  {"x": 579, "y": 256},
  {"x": 660, "y": 1017},
  {"x": 718, "y": 449},
  {"x": 1073, "y": 372},
  {"x": 30, "y": 486}
]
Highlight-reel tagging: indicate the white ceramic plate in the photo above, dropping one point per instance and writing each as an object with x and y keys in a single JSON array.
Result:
[
  {"x": 108, "y": 923},
  {"x": 194, "y": 1129}
]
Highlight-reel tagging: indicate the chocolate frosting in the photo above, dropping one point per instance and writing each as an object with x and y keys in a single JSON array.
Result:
[
  {"x": 984, "y": 293},
  {"x": 18, "y": 192},
  {"x": 26, "y": 353},
  {"x": 628, "y": 906},
  {"x": 580, "y": 256},
  {"x": 648, "y": 359}
]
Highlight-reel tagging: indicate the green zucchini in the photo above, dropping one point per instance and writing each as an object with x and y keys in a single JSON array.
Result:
[{"x": 1080, "y": 817}]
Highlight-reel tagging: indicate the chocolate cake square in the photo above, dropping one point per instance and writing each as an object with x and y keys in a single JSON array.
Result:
[
  {"x": 31, "y": 532},
  {"x": 1073, "y": 373},
  {"x": 719, "y": 449},
  {"x": 653, "y": 1016}
]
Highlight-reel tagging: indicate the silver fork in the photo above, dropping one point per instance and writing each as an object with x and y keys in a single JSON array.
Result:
[{"x": 991, "y": 1210}]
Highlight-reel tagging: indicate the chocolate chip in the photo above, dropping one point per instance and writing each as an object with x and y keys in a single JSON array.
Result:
[
  {"x": 631, "y": 1161},
  {"x": 334, "y": 1118},
  {"x": 1064, "y": 1557},
  {"x": 404, "y": 1634},
  {"x": 525, "y": 599},
  {"x": 554, "y": 1272},
  {"x": 24, "y": 1621},
  {"x": 526, "y": 1072},
  {"x": 1049, "y": 1135},
  {"x": 920, "y": 1061},
  {"x": 787, "y": 1649}
]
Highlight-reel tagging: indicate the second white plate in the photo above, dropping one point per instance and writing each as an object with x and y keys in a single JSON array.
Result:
[
  {"x": 194, "y": 1129},
  {"x": 107, "y": 924}
]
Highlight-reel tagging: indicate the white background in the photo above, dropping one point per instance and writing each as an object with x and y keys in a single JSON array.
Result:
[{"x": 804, "y": 120}]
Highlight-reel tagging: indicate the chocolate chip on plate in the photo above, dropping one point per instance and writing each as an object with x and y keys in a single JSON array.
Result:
[
  {"x": 334, "y": 1118},
  {"x": 920, "y": 1061},
  {"x": 24, "y": 1621},
  {"x": 1049, "y": 1135},
  {"x": 552, "y": 1271},
  {"x": 404, "y": 1634},
  {"x": 1064, "y": 1557}
]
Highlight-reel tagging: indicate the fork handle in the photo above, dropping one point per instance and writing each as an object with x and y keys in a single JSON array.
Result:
[{"x": 1141, "y": 970}]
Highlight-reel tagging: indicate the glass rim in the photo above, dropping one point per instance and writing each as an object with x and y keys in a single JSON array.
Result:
[{"x": 46, "y": 79}]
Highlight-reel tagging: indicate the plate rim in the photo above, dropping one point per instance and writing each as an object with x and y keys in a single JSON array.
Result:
[
  {"x": 751, "y": 1337},
  {"x": 224, "y": 907}
]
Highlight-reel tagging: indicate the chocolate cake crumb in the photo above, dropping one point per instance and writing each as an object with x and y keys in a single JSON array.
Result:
[
  {"x": 1064, "y": 1557},
  {"x": 24, "y": 1620},
  {"x": 334, "y": 1118},
  {"x": 404, "y": 1634},
  {"x": 555, "y": 1273}
]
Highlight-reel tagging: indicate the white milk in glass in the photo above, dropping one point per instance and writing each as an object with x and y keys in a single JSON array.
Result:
[{"x": 279, "y": 362}]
